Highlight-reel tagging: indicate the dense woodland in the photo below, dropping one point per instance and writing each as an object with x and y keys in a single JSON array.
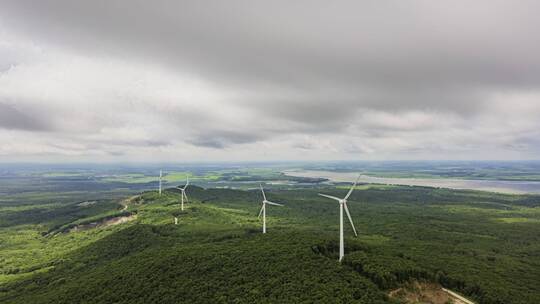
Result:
[{"x": 483, "y": 245}]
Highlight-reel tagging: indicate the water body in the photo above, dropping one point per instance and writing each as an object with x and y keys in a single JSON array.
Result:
[{"x": 514, "y": 187}]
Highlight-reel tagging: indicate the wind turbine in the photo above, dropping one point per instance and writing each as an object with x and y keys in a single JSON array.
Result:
[
  {"x": 343, "y": 205},
  {"x": 183, "y": 190},
  {"x": 160, "y": 175},
  {"x": 263, "y": 208}
]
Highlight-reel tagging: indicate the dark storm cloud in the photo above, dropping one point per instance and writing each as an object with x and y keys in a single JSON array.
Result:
[{"x": 13, "y": 119}]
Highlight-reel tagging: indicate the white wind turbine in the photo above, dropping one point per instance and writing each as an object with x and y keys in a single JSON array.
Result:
[
  {"x": 160, "y": 175},
  {"x": 263, "y": 208},
  {"x": 183, "y": 192},
  {"x": 342, "y": 205}
]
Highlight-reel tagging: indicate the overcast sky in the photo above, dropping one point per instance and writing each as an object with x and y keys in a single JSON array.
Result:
[{"x": 141, "y": 80}]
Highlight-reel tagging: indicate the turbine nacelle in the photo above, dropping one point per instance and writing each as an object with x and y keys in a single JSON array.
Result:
[{"x": 185, "y": 186}]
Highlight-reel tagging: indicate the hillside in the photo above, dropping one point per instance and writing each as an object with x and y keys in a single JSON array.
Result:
[{"x": 480, "y": 244}]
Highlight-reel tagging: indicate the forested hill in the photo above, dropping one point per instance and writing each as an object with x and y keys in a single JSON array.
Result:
[{"x": 480, "y": 244}]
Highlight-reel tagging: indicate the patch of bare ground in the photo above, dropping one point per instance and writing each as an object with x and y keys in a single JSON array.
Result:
[
  {"x": 128, "y": 201},
  {"x": 104, "y": 223},
  {"x": 426, "y": 293}
]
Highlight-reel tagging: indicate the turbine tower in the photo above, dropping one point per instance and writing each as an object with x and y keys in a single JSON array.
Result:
[
  {"x": 183, "y": 192},
  {"x": 343, "y": 205},
  {"x": 263, "y": 208},
  {"x": 160, "y": 176}
]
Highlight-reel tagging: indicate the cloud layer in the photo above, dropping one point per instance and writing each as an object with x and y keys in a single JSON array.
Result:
[{"x": 244, "y": 80}]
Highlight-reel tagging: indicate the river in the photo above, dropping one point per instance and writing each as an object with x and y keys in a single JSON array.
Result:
[{"x": 513, "y": 187}]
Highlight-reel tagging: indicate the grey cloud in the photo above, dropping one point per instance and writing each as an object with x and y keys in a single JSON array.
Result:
[
  {"x": 341, "y": 45},
  {"x": 309, "y": 67},
  {"x": 309, "y": 115},
  {"x": 14, "y": 119},
  {"x": 304, "y": 145},
  {"x": 220, "y": 139},
  {"x": 133, "y": 143},
  {"x": 207, "y": 143},
  {"x": 117, "y": 153}
]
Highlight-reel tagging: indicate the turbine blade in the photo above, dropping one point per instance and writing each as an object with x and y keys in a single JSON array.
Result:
[
  {"x": 272, "y": 203},
  {"x": 260, "y": 212},
  {"x": 350, "y": 219},
  {"x": 185, "y": 195},
  {"x": 264, "y": 195},
  {"x": 352, "y": 188},
  {"x": 329, "y": 196},
  {"x": 187, "y": 182}
]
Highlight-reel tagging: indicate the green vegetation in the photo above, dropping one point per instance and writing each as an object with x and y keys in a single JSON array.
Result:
[
  {"x": 481, "y": 244},
  {"x": 168, "y": 177}
]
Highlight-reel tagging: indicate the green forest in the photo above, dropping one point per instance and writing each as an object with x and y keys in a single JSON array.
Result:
[{"x": 485, "y": 246}]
